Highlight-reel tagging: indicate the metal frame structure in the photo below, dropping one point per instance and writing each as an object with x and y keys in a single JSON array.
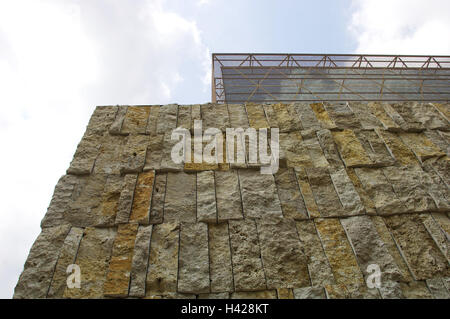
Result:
[{"x": 271, "y": 78}]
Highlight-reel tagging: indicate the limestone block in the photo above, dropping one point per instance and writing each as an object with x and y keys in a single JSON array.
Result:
[
  {"x": 116, "y": 126},
  {"x": 292, "y": 151},
  {"x": 206, "y": 197},
  {"x": 285, "y": 293},
  {"x": 438, "y": 235},
  {"x": 265, "y": 294},
  {"x": 139, "y": 262},
  {"x": 193, "y": 263},
  {"x": 153, "y": 117},
  {"x": 342, "y": 115},
  {"x": 375, "y": 148},
  {"x": 256, "y": 116},
  {"x": 167, "y": 164},
  {"x": 140, "y": 210},
  {"x": 215, "y": 115},
  {"x": 167, "y": 118},
  {"x": 285, "y": 264},
  {"x": 415, "y": 290},
  {"x": 157, "y": 205},
  {"x": 228, "y": 195},
  {"x": 307, "y": 116},
  {"x": 93, "y": 257},
  {"x": 351, "y": 150},
  {"x": 421, "y": 146},
  {"x": 221, "y": 269},
  {"x": 85, "y": 155},
  {"x": 405, "y": 110},
  {"x": 180, "y": 200},
  {"x": 347, "y": 193},
  {"x": 316, "y": 155},
  {"x": 322, "y": 116},
  {"x": 305, "y": 189},
  {"x": 289, "y": 194},
  {"x": 217, "y": 295},
  {"x": 163, "y": 262},
  {"x": 248, "y": 271},
  {"x": 437, "y": 139},
  {"x": 184, "y": 117},
  {"x": 133, "y": 154},
  {"x": 399, "y": 120},
  {"x": 397, "y": 148},
  {"x": 110, "y": 200},
  {"x": 329, "y": 148},
  {"x": 369, "y": 205},
  {"x": 135, "y": 121},
  {"x": 259, "y": 194},
  {"x": 154, "y": 153},
  {"x": 101, "y": 120},
  {"x": 362, "y": 112},
  {"x": 126, "y": 198},
  {"x": 108, "y": 160},
  {"x": 238, "y": 116},
  {"x": 378, "y": 110},
  {"x": 286, "y": 121},
  {"x": 443, "y": 109},
  {"x": 271, "y": 116},
  {"x": 118, "y": 277},
  {"x": 35, "y": 279},
  {"x": 429, "y": 116},
  {"x": 310, "y": 293},
  {"x": 437, "y": 288}
]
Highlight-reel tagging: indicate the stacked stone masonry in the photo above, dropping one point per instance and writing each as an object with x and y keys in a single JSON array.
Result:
[{"x": 358, "y": 184}]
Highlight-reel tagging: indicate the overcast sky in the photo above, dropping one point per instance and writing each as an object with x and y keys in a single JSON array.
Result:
[{"x": 61, "y": 58}]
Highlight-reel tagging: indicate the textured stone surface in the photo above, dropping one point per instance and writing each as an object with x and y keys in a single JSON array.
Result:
[
  {"x": 256, "y": 116},
  {"x": 163, "y": 261},
  {"x": 310, "y": 293},
  {"x": 221, "y": 269},
  {"x": 438, "y": 234},
  {"x": 228, "y": 195},
  {"x": 329, "y": 148},
  {"x": 118, "y": 276},
  {"x": 316, "y": 155},
  {"x": 34, "y": 282},
  {"x": 351, "y": 150},
  {"x": 167, "y": 164},
  {"x": 140, "y": 210},
  {"x": 285, "y": 293},
  {"x": 405, "y": 125},
  {"x": 157, "y": 205},
  {"x": 110, "y": 200},
  {"x": 126, "y": 198},
  {"x": 322, "y": 116},
  {"x": 375, "y": 148},
  {"x": 215, "y": 115},
  {"x": 193, "y": 263},
  {"x": 265, "y": 294},
  {"x": 289, "y": 194},
  {"x": 152, "y": 122},
  {"x": 109, "y": 157},
  {"x": 139, "y": 262},
  {"x": 184, "y": 117},
  {"x": 305, "y": 189},
  {"x": 388, "y": 123},
  {"x": 444, "y": 109},
  {"x": 318, "y": 267},
  {"x": 94, "y": 255},
  {"x": 116, "y": 126},
  {"x": 85, "y": 156},
  {"x": 238, "y": 115},
  {"x": 285, "y": 118},
  {"x": 154, "y": 154},
  {"x": 180, "y": 199},
  {"x": 342, "y": 116},
  {"x": 285, "y": 264},
  {"x": 293, "y": 150},
  {"x": 135, "y": 121},
  {"x": 206, "y": 197},
  {"x": 422, "y": 147},
  {"x": 397, "y": 148},
  {"x": 167, "y": 118},
  {"x": 248, "y": 271},
  {"x": 307, "y": 116},
  {"x": 406, "y": 112},
  {"x": 347, "y": 193},
  {"x": 416, "y": 290},
  {"x": 437, "y": 288},
  {"x": 133, "y": 154},
  {"x": 101, "y": 120},
  {"x": 428, "y": 116},
  {"x": 366, "y": 118},
  {"x": 369, "y": 205},
  {"x": 259, "y": 195}
]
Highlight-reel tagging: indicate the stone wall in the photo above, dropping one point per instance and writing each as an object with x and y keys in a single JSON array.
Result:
[{"x": 359, "y": 184}]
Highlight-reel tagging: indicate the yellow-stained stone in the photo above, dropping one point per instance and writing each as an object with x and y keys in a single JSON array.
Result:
[
  {"x": 263, "y": 294},
  {"x": 388, "y": 123},
  {"x": 285, "y": 293},
  {"x": 256, "y": 116},
  {"x": 286, "y": 122},
  {"x": 294, "y": 151},
  {"x": 365, "y": 198},
  {"x": 443, "y": 221},
  {"x": 135, "y": 120},
  {"x": 351, "y": 149},
  {"x": 110, "y": 198},
  {"x": 323, "y": 116},
  {"x": 153, "y": 120},
  {"x": 444, "y": 108},
  {"x": 398, "y": 149},
  {"x": 340, "y": 255},
  {"x": 422, "y": 147},
  {"x": 308, "y": 197},
  {"x": 140, "y": 211},
  {"x": 416, "y": 290},
  {"x": 337, "y": 291},
  {"x": 163, "y": 262},
  {"x": 221, "y": 270},
  {"x": 118, "y": 277}
]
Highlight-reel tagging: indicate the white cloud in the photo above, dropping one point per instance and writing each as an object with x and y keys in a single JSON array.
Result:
[
  {"x": 401, "y": 26},
  {"x": 57, "y": 61}
]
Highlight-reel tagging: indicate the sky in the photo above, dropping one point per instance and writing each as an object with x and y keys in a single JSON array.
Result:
[{"x": 61, "y": 58}]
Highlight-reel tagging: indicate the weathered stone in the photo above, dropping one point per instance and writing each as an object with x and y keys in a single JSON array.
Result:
[
  {"x": 406, "y": 183},
  {"x": 351, "y": 291},
  {"x": 217, "y": 295},
  {"x": 238, "y": 116},
  {"x": 351, "y": 150},
  {"x": 285, "y": 264},
  {"x": 375, "y": 148},
  {"x": 116, "y": 126},
  {"x": 289, "y": 194},
  {"x": 339, "y": 253},
  {"x": 419, "y": 250},
  {"x": 152, "y": 122},
  {"x": 256, "y": 116},
  {"x": 388, "y": 123},
  {"x": 428, "y": 116},
  {"x": 346, "y": 192},
  {"x": 259, "y": 194},
  {"x": 397, "y": 148},
  {"x": 248, "y": 271},
  {"x": 285, "y": 293},
  {"x": 215, "y": 115},
  {"x": 108, "y": 160},
  {"x": 438, "y": 235},
  {"x": 196, "y": 113},
  {"x": 342, "y": 116},
  {"x": 405, "y": 110},
  {"x": 292, "y": 151},
  {"x": 134, "y": 153},
  {"x": 101, "y": 120},
  {"x": 307, "y": 117},
  {"x": 193, "y": 263},
  {"x": 135, "y": 121},
  {"x": 399, "y": 120},
  {"x": 443, "y": 109},
  {"x": 118, "y": 276},
  {"x": 221, "y": 269},
  {"x": 180, "y": 200},
  {"x": 318, "y": 267},
  {"x": 329, "y": 148},
  {"x": 443, "y": 221},
  {"x": 436, "y": 138},
  {"x": 110, "y": 200},
  {"x": 157, "y": 205},
  {"x": 184, "y": 117},
  {"x": 66, "y": 258},
  {"x": 305, "y": 189},
  {"x": 163, "y": 262},
  {"x": 61, "y": 199},
  {"x": 206, "y": 197},
  {"x": 380, "y": 191},
  {"x": 139, "y": 262},
  {"x": 85, "y": 155},
  {"x": 441, "y": 167},
  {"x": 167, "y": 118},
  {"x": 265, "y": 294},
  {"x": 286, "y": 121},
  {"x": 167, "y": 164},
  {"x": 140, "y": 211},
  {"x": 316, "y": 156},
  {"x": 126, "y": 198},
  {"x": 365, "y": 117},
  {"x": 34, "y": 282},
  {"x": 228, "y": 195},
  {"x": 322, "y": 116},
  {"x": 370, "y": 249},
  {"x": 324, "y": 192},
  {"x": 437, "y": 288},
  {"x": 310, "y": 293},
  {"x": 365, "y": 198},
  {"x": 271, "y": 116},
  {"x": 93, "y": 257},
  {"x": 154, "y": 153},
  {"x": 422, "y": 147},
  {"x": 415, "y": 290}
]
